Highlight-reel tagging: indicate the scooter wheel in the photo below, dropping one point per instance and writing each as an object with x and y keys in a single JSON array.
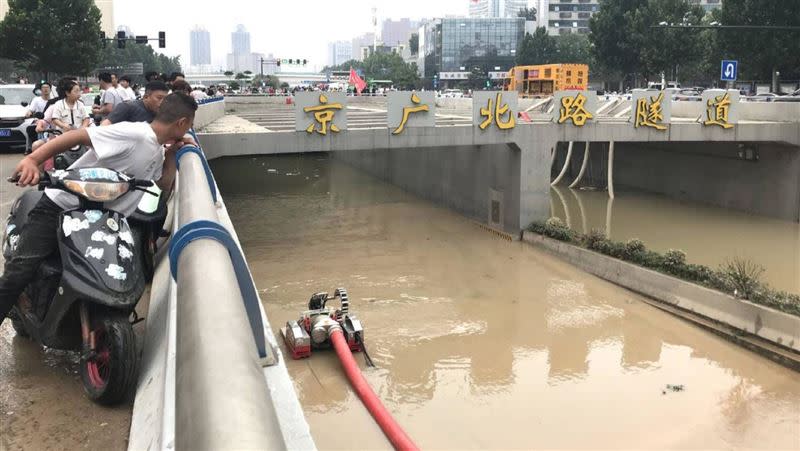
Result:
[{"x": 110, "y": 373}]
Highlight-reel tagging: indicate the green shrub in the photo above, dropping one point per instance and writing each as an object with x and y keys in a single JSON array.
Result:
[
  {"x": 594, "y": 239},
  {"x": 744, "y": 276},
  {"x": 674, "y": 261},
  {"x": 537, "y": 227},
  {"x": 634, "y": 249},
  {"x": 556, "y": 229}
]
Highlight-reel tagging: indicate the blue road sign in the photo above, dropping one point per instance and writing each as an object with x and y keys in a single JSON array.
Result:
[{"x": 729, "y": 70}]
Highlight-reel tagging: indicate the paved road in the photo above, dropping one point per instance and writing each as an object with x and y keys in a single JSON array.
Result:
[{"x": 42, "y": 405}]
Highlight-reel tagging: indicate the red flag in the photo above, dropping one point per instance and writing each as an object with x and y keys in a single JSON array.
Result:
[{"x": 356, "y": 81}]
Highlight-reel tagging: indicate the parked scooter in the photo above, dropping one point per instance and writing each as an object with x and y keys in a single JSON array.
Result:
[{"x": 84, "y": 296}]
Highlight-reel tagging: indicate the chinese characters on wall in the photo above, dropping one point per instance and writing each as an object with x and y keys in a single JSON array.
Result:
[{"x": 326, "y": 113}]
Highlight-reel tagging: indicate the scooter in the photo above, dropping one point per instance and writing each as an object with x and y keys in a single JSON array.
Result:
[{"x": 83, "y": 297}]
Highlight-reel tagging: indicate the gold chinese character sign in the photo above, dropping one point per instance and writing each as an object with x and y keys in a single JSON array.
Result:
[
  {"x": 652, "y": 109},
  {"x": 408, "y": 109},
  {"x": 577, "y": 107},
  {"x": 720, "y": 108},
  {"x": 320, "y": 113},
  {"x": 495, "y": 107}
]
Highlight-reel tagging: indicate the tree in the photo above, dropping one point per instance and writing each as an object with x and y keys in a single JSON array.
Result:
[
  {"x": 573, "y": 48},
  {"x": 234, "y": 85},
  {"x": 248, "y": 72},
  {"x": 539, "y": 48},
  {"x": 760, "y": 52},
  {"x": 228, "y": 73},
  {"x": 613, "y": 49},
  {"x": 268, "y": 80},
  {"x": 477, "y": 78},
  {"x": 413, "y": 43},
  {"x": 662, "y": 49},
  {"x": 527, "y": 13},
  {"x": 52, "y": 35},
  {"x": 241, "y": 76}
]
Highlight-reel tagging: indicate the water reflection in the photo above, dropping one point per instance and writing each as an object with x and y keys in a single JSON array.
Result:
[
  {"x": 708, "y": 235},
  {"x": 496, "y": 344}
]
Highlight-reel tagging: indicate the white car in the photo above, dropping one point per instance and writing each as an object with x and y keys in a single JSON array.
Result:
[
  {"x": 452, "y": 93},
  {"x": 13, "y": 108}
]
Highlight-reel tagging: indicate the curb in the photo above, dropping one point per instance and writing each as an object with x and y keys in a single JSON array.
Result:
[{"x": 768, "y": 331}]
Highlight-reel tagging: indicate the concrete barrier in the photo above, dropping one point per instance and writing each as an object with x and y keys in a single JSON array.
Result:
[
  {"x": 764, "y": 322},
  {"x": 201, "y": 393},
  {"x": 209, "y": 112}
]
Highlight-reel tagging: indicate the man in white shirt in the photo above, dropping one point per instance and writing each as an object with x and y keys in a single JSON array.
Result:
[
  {"x": 125, "y": 89},
  {"x": 141, "y": 150},
  {"x": 108, "y": 98},
  {"x": 38, "y": 103}
]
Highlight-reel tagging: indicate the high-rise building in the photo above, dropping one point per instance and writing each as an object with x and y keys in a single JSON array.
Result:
[
  {"x": 200, "y": 47},
  {"x": 398, "y": 32},
  {"x": 565, "y": 17},
  {"x": 240, "y": 40},
  {"x": 359, "y": 42},
  {"x": 106, "y": 8},
  {"x": 453, "y": 47},
  {"x": 339, "y": 52},
  {"x": 496, "y": 8}
]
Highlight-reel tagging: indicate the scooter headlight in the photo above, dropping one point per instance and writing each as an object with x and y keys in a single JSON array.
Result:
[{"x": 97, "y": 191}]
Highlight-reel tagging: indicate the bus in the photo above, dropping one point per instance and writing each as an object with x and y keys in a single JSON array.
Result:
[{"x": 545, "y": 79}]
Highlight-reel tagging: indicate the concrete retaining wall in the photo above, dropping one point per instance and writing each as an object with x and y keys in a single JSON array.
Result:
[
  {"x": 208, "y": 113},
  {"x": 471, "y": 180},
  {"x": 764, "y": 322},
  {"x": 748, "y": 111}
]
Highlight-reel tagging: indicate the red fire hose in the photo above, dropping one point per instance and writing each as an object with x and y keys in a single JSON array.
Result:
[{"x": 390, "y": 428}]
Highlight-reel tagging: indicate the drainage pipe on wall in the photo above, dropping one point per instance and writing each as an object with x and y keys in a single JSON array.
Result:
[
  {"x": 566, "y": 165},
  {"x": 583, "y": 166}
]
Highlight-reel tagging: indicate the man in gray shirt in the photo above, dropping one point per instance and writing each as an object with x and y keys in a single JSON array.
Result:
[
  {"x": 108, "y": 99},
  {"x": 143, "y": 110}
]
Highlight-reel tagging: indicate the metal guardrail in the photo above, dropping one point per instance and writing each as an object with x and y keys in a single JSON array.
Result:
[{"x": 221, "y": 398}]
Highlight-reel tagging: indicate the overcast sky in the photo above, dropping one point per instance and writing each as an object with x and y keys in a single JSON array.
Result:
[{"x": 288, "y": 29}]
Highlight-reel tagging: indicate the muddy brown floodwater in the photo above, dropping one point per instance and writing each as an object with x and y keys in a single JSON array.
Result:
[
  {"x": 42, "y": 405},
  {"x": 484, "y": 343}
]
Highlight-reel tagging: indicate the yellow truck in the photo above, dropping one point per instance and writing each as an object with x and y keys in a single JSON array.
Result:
[{"x": 544, "y": 79}]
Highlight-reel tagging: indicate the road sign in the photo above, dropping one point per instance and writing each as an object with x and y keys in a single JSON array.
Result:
[{"x": 729, "y": 70}]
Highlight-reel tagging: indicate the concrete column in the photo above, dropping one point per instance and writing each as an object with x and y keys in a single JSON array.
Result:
[
  {"x": 534, "y": 183},
  {"x": 583, "y": 166},
  {"x": 566, "y": 165}
]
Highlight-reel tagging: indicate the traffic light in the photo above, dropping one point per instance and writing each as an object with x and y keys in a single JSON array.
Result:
[
  {"x": 304, "y": 62},
  {"x": 488, "y": 83},
  {"x": 120, "y": 39},
  {"x": 162, "y": 39},
  {"x": 141, "y": 39},
  {"x": 279, "y": 63},
  {"x": 290, "y": 60}
]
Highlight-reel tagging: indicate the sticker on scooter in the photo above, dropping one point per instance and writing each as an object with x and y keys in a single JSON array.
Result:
[
  {"x": 93, "y": 215},
  {"x": 94, "y": 252},
  {"x": 112, "y": 224},
  {"x": 98, "y": 174},
  {"x": 126, "y": 237},
  {"x": 73, "y": 225},
  {"x": 101, "y": 236},
  {"x": 116, "y": 272},
  {"x": 124, "y": 252}
]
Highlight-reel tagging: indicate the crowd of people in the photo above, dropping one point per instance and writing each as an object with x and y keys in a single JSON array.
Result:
[{"x": 136, "y": 136}]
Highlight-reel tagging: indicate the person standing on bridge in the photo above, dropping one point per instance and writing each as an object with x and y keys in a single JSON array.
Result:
[
  {"x": 143, "y": 110},
  {"x": 138, "y": 149}
]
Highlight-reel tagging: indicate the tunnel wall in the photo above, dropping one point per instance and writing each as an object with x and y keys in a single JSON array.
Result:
[
  {"x": 472, "y": 180},
  {"x": 710, "y": 173}
]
